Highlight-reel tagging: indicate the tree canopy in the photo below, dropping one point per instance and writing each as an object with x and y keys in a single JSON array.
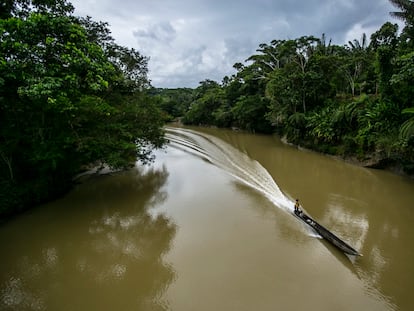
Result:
[{"x": 69, "y": 97}]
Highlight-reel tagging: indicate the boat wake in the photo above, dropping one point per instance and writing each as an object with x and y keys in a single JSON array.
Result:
[
  {"x": 247, "y": 171},
  {"x": 231, "y": 160}
]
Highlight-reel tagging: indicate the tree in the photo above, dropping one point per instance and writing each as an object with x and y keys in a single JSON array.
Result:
[
  {"x": 208, "y": 98},
  {"x": 174, "y": 102},
  {"x": 407, "y": 10},
  {"x": 406, "y": 14},
  {"x": 357, "y": 65},
  {"x": 22, "y": 8},
  {"x": 337, "y": 99},
  {"x": 387, "y": 35},
  {"x": 302, "y": 76},
  {"x": 271, "y": 57},
  {"x": 65, "y": 102},
  {"x": 384, "y": 43}
]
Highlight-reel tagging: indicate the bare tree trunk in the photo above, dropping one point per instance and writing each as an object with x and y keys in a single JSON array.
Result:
[{"x": 8, "y": 162}]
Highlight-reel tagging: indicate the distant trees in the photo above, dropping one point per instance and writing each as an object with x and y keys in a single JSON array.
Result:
[
  {"x": 173, "y": 102},
  {"x": 208, "y": 98},
  {"x": 69, "y": 97},
  {"x": 238, "y": 104}
]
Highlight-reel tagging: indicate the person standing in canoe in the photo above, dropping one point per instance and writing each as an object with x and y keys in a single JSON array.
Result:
[{"x": 297, "y": 206}]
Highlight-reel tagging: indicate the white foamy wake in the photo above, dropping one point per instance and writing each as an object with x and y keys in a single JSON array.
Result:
[{"x": 231, "y": 160}]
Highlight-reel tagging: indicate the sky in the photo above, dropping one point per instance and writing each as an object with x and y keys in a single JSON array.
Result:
[{"x": 189, "y": 41}]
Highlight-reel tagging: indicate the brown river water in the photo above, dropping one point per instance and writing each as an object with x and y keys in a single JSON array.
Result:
[{"x": 209, "y": 226}]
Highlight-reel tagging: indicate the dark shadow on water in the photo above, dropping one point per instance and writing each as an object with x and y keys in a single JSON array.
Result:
[{"x": 99, "y": 248}]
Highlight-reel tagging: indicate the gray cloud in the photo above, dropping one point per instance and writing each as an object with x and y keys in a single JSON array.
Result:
[
  {"x": 162, "y": 31},
  {"x": 192, "y": 40}
]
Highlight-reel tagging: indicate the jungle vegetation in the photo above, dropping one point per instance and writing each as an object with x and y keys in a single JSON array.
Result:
[
  {"x": 353, "y": 100},
  {"x": 69, "y": 97}
]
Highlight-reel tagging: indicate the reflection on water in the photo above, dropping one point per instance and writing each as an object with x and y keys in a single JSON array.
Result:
[
  {"x": 370, "y": 209},
  {"x": 109, "y": 246},
  {"x": 351, "y": 227},
  {"x": 113, "y": 243}
]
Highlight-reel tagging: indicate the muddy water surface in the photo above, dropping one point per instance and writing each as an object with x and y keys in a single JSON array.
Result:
[{"x": 209, "y": 227}]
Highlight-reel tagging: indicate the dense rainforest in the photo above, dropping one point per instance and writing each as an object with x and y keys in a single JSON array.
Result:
[
  {"x": 69, "y": 97},
  {"x": 355, "y": 100}
]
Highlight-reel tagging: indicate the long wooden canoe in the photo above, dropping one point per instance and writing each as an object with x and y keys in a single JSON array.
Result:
[{"x": 327, "y": 235}]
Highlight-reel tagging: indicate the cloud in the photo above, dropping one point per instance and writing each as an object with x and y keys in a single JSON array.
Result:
[
  {"x": 189, "y": 41},
  {"x": 162, "y": 31}
]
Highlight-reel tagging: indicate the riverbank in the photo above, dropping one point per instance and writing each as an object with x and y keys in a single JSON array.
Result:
[{"x": 373, "y": 160}]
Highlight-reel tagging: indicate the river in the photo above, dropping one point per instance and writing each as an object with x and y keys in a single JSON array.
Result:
[{"x": 209, "y": 226}]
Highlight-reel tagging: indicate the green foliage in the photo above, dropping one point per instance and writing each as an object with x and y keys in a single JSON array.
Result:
[
  {"x": 338, "y": 99},
  {"x": 321, "y": 125},
  {"x": 69, "y": 97},
  {"x": 208, "y": 98},
  {"x": 249, "y": 113},
  {"x": 406, "y": 14},
  {"x": 174, "y": 102},
  {"x": 296, "y": 127},
  {"x": 407, "y": 128}
]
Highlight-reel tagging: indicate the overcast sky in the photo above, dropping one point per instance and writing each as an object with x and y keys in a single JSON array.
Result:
[{"x": 189, "y": 41}]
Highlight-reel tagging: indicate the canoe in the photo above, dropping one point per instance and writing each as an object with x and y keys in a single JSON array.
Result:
[{"x": 326, "y": 234}]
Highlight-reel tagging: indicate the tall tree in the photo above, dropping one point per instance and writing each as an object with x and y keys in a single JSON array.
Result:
[
  {"x": 406, "y": 14},
  {"x": 384, "y": 42},
  {"x": 357, "y": 64},
  {"x": 61, "y": 105}
]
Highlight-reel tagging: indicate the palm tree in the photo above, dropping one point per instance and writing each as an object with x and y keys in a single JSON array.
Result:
[
  {"x": 359, "y": 55},
  {"x": 407, "y": 129},
  {"x": 406, "y": 14},
  {"x": 407, "y": 10},
  {"x": 323, "y": 48},
  {"x": 359, "y": 45}
]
